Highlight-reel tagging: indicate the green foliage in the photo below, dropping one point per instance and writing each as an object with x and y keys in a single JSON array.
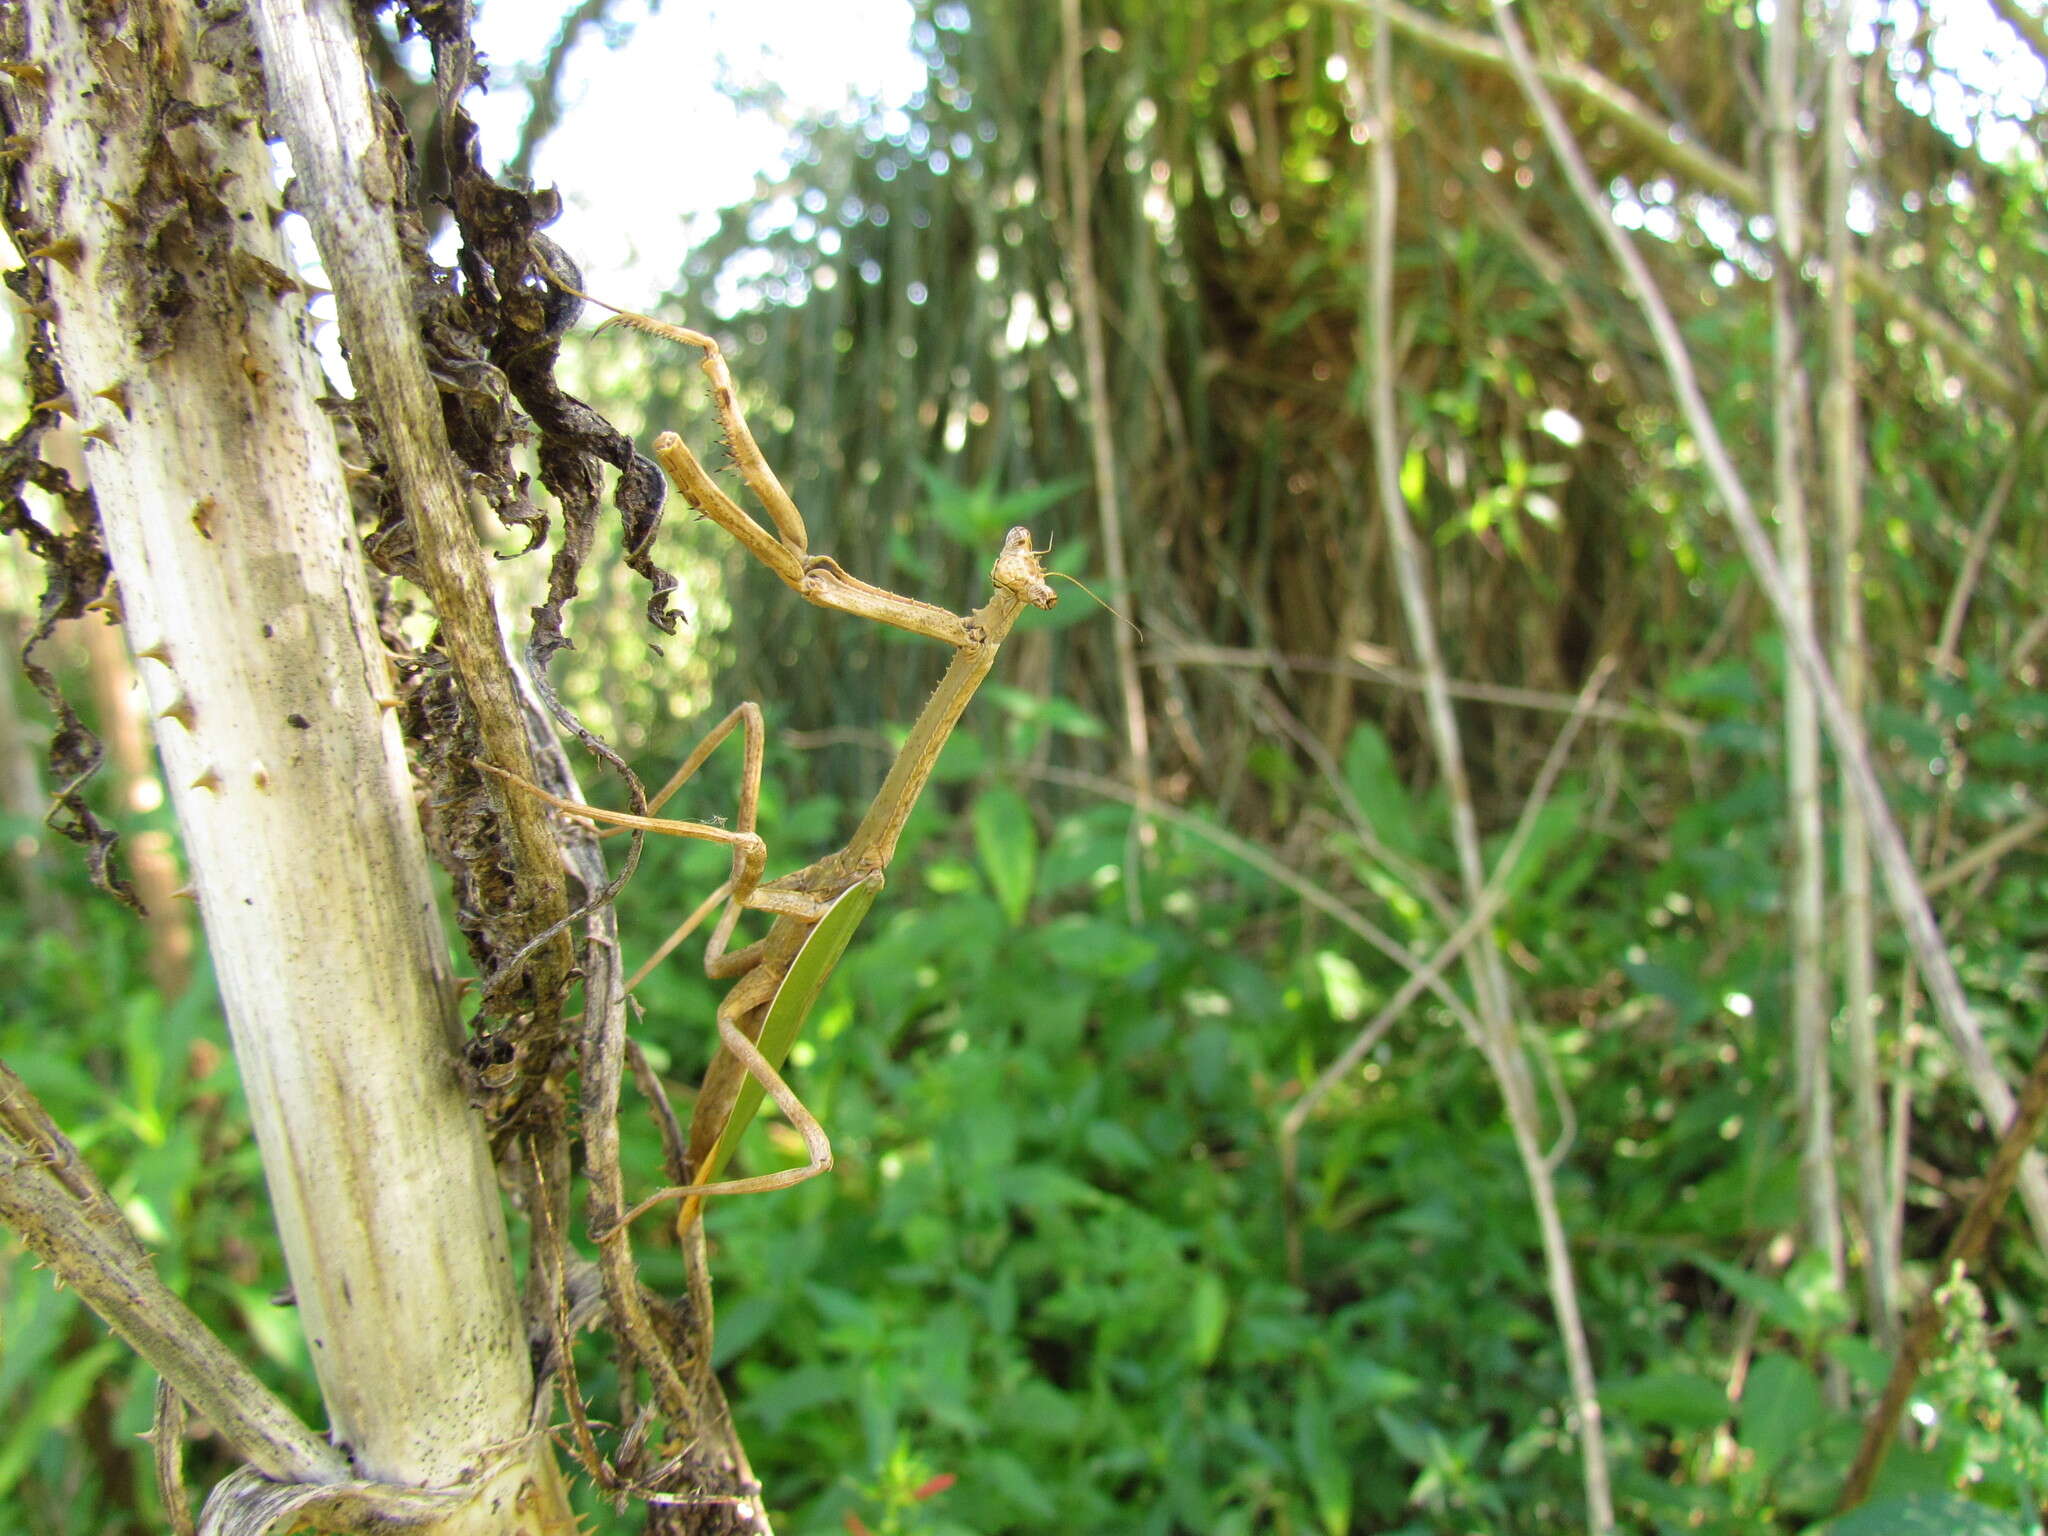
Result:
[
  {"x": 148, "y": 1092},
  {"x": 1052, "y": 1263},
  {"x": 1974, "y": 1406},
  {"x": 1920, "y": 1514}
]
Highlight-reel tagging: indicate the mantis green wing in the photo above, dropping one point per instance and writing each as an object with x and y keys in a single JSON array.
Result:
[{"x": 792, "y": 1004}]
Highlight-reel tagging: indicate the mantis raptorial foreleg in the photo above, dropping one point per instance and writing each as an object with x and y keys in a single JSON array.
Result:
[{"x": 824, "y": 889}]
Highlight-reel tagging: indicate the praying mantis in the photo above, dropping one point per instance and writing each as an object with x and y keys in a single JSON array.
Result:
[{"x": 775, "y": 979}]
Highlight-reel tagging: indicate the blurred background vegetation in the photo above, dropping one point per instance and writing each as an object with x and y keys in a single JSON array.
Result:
[{"x": 1066, "y": 1276}]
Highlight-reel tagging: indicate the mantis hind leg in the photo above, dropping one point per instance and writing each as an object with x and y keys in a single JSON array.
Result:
[{"x": 739, "y": 1049}]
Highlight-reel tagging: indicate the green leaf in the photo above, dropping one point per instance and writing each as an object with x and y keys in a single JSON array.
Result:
[
  {"x": 792, "y": 1004},
  {"x": 1778, "y": 1303},
  {"x": 1208, "y": 1311},
  {"x": 1096, "y": 948},
  {"x": 1011, "y": 1480},
  {"x": 1781, "y": 1406},
  {"x": 54, "y": 1406},
  {"x": 1414, "y": 1441},
  {"x": 1041, "y": 1190},
  {"x": 1328, "y": 1475},
  {"x": 1007, "y": 840},
  {"x": 1868, "y": 1365},
  {"x": 1925, "y": 1514},
  {"x": 1117, "y": 1145},
  {"x": 1344, "y": 988},
  {"x": 1414, "y": 476},
  {"x": 741, "y": 1321},
  {"x": 1370, "y": 775},
  {"x": 1048, "y": 710},
  {"x": 975, "y": 515},
  {"x": 1671, "y": 1400},
  {"x": 963, "y": 758},
  {"x": 1366, "y": 1381},
  {"x": 1689, "y": 1002},
  {"x": 1811, "y": 1283},
  {"x": 277, "y": 1330},
  {"x": 1559, "y": 824},
  {"x": 807, "y": 1389},
  {"x": 1727, "y": 682}
]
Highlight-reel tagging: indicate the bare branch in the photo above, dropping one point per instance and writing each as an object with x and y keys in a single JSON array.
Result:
[
  {"x": 1366, "y": 666},
  {"x": 64, "y": 1214},
  {"x": 1808, "y": 1014},
  {"x": 321, "y": 98},
  {"x": 544, "y": 89},
  {"x": 1842, "y": 463}
]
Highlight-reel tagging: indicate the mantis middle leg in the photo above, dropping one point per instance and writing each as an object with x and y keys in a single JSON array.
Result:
[{"x": 740, "y": 1014}]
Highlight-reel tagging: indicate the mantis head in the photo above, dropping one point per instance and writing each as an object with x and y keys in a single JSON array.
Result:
[{"x": 1017, "y": 570}]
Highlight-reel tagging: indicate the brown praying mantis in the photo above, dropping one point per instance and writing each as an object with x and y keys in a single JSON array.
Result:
[{"x": 815, "y": 907}]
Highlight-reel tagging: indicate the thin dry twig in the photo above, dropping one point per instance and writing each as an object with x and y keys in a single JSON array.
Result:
[
  {"x": 1843, "y": 463},
  {"x": 166, "y": 1439},
  {"x": 549, "y": 1267},
  {"x": 544, "y": 86},
  {"x": 1268, "y": 710},
  {"x": 1257, "y": 858},
  {"x": 1491, "y": 900},
  {"x": 1806, "y": 906},
  {"x": 1948, "y": 639},
  {"x": 1988, "y": 852},
  {"x": 674, "y": 1146},
  {"x": 1365, "y": 665},
  {"x": 1945, "y": 659},
  {"x": 603, "y": 1073}
]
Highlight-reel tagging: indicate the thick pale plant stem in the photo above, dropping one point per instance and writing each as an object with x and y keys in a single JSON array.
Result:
[
  {"x": 1845, "y": 732},
  {"x": 1489, "y": 982},
  {"x": 227, "y": 515},
  {"x": 323, "y": 104}
]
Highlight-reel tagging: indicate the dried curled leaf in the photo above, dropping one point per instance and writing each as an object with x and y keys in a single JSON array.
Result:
[{"x": 75, "y": 570}]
